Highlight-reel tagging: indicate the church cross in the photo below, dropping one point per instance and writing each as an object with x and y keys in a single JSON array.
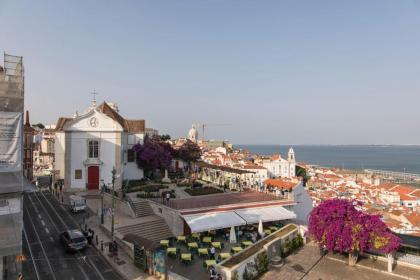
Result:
[{"x": 94, "y": 93}]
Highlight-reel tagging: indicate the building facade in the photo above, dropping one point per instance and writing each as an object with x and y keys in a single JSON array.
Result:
[
  {"x": 90, "y": 145},
  {"x": 279, "y": 167}
]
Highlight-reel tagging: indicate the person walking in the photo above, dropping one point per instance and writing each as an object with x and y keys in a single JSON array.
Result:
[{"x": 212, "y": 252}]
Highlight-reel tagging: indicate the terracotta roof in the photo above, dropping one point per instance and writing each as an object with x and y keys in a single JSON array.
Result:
[
  {"x": 61, "y": 122},
  {"x": 413, "y": 218},
  {"x": 407, "y": 197},
  {"x": 133, "y": 126},
  {"x": 275, "y": 157},
  {"x": 222, "y": 168},
  {"x": 254, "y": 167},
  {"x": 416, "y": 193},
  {"x": 401, "y": 189},
  {"x": 278, "y": 183}
]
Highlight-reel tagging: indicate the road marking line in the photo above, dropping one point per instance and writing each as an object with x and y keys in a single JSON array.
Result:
[
  {"x": 40, "y": 243},
  {"x": 39, "y": 216},
  {"x": 30, "y": 252},
  {"x": 43, "y": 223},
  {"x": 46, "y": 229},
  {"x": 52, "y": 239},
  {"x": 96, "y": 269}
]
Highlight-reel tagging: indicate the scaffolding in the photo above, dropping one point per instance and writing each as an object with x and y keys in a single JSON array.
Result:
[
  {"x": 12, "y": 83},
  {"x": 11, "y": 183}
]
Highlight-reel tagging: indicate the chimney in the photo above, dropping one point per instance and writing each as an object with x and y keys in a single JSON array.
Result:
[{"x": 27, "y": 118}]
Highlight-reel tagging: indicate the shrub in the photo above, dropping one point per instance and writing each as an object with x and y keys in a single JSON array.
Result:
[
  {"x": 262, "y": 263},
  {"x": 235, "y": 275},
  {"x": 202, "y": 191},
  {"x": 146, "y": 188}
]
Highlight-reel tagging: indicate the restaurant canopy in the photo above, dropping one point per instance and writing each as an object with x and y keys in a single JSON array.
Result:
[
  {"x": 265, "y": 214},
  {"x": 238, "y": 217},
  {"x": 211, "y": 221}
]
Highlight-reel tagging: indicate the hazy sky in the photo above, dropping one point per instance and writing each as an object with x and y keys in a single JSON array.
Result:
[{"x": 280, "y": 72}]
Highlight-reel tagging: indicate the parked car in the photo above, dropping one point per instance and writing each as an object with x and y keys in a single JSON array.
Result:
[
  {"x": 73, "y": 240},
  {"x": 77, "y": 203}
]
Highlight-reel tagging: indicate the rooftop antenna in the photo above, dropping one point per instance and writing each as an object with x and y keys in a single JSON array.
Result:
[{"x": 94, "y": 93}]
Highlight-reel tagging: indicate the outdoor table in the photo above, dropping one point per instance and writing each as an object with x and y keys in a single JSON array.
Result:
[
  {"x": 196, "y": 235},
  {"x": 209, "y": 263},
  {"x": 186, "y": 257},
  {"x": 207, "y": 239},
  {"x": 267, "y": 231},
  {"x": 164, "y": 243},
  {"x": 224, "y": 256},
  {"x": 171, "y": 251},
  {"x": 247, "y": 243},
  {"x": 192, "y": 245},
  {"x": 203, "y": 251},
  {"x": 273, "y": 228},
  {"x": 217, "y": 245},
  {"x": 236, "y": 249},
  {"x": 181, "y": 238}
]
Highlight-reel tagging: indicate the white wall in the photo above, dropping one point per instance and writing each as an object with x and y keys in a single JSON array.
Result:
[
  {"x": 130, "y": 169},
  {"x": 303, "y": 206},
  {"x": 59, "y": 149}
]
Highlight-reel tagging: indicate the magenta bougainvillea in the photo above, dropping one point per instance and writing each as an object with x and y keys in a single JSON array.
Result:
[
  {"x": 153, "y": 154},
  {"x": 338, "y": 225}
]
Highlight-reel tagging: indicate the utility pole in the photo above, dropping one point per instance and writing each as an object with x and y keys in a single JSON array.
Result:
[{"x": 114, "y": 173}]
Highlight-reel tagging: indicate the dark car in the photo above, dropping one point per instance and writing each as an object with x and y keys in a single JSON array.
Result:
[{"x": 73, "y": 240}]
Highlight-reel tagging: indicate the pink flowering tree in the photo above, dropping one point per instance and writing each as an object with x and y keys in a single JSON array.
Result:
[{"x": 337, "y": 225}]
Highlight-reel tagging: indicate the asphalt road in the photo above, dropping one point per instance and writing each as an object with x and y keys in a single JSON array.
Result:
[{"x": 44, "y": 218}]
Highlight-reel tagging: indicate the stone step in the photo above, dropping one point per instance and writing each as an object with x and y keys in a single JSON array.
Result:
[{"x": 154, "y": 229}]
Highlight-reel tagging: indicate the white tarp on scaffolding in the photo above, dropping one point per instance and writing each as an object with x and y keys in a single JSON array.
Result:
[
  {"x": 10, "y": 141},
  {"x": 265, "y": 214},
  {"x": 211, "y": 221}
]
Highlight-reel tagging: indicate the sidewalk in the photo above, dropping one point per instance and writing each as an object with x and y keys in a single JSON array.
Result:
[
  {"x": 124, "y": 265},
  {"x": 401, "y": 271}
]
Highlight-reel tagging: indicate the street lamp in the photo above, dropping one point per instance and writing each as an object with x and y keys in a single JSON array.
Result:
[
  {"x": 114, "y": 176},
  {"x": 102, "y": 200}
]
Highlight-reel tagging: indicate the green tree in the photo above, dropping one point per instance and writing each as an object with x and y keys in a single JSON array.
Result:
[{"x": 301, "y": 172}]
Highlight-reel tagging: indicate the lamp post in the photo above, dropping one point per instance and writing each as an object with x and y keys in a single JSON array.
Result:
[
  {"x": 102, "y": 200},
  {"x": 114, "y": 173}
]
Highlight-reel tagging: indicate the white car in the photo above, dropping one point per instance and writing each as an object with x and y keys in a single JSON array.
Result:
[{"x": 77, "y": 203}]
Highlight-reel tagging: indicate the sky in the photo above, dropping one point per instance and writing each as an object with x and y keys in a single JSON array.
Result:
[{"x": 273, "y": 72}]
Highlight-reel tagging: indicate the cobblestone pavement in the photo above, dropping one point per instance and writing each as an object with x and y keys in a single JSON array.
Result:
[{"x": 307, "y": 264}]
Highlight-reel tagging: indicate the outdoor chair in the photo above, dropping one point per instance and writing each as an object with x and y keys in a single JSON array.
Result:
[
  {"x": 209, "y": 263},
  {"x": 186, "y": 258},
  {"x": 203, "y": 252},
  {"x": 172, "y": 251}
]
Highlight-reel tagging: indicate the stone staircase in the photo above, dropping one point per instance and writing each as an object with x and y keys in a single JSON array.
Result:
[
  {"x": 142, "y": 208},
  {"x": 153, "y": 228}
]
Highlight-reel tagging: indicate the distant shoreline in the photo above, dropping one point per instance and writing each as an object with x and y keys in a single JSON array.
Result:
[{"x": 396, "y": 158}]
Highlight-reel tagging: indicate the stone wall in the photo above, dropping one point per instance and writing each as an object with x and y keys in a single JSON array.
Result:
[
  {"x": 272, "y": 249},
  {"x": 120, "y": 205},
  {"x": 171, "y": 217}
]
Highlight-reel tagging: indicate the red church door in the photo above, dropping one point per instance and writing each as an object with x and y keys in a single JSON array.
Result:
[{"x": 93, "y": 177}]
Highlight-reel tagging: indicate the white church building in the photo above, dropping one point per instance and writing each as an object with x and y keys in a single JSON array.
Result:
[
  {"x": 89, "y": 145},
  {"x": 279, "y": 167}
]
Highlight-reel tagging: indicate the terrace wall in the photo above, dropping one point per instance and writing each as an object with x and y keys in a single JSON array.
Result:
[
  {"x": 272, "y": 248},
  {"x": 171, "y": 217}
]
